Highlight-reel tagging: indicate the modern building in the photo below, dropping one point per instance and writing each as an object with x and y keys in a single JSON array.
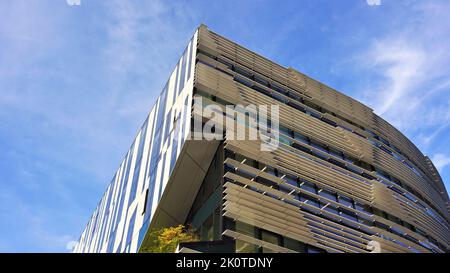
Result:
[{"x": 341, "y": 180}]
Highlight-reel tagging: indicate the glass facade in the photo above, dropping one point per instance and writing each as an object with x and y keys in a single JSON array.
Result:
[
  {"x": 123, "y": 215},
  {"x": 341, "y": 179}
]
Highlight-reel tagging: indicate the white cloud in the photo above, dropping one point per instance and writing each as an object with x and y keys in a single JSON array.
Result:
[
  {"x": 73, "y": 2},
  {"x": 441, "y": 161},
  {"x": 411, "y": 86},
  {"x": 373, "y": 2},
  {"x": 402, "y": 66},
  {"x": 71, "y": 245}
]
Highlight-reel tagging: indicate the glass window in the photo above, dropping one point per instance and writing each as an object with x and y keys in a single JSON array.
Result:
[
  {"x": 245, "y": 173},
  {"x": 327, "y": 194},
  {"x": 296, "y": 106},
  {"x": 243, "y": 72},
  {"x": 203, "y": 94},
  {"x": 134, "y": 184},
  {"x": 349, "y": 159},
  {"x": 348, "y": 202},
  {"x": 161, "y": 178},
  {"x": 267, "y": 182},
  {"x": 270, "y": 237},
  {"x": 408, "y": 226},
  {"x": 313, "y": 249},
  {"x": 336, "y": 153},
  {"x": 279, "y": 97},
  {"x": 318, "y": 145},
  {"x": 308, "y": 187},
  {"x": 379, "y": 213},
  {"x": 301, "y": 138},
  {"x": 294, "y": 96},
  {"x": 156, "y": 148},
  {"x": 330, "y": 122},
  {"x": 245, "y": 228},
  {"x": 167, "y": 126},
  {"x": 313, "y": 114},
  {"x": 286, "y": 131},
  {"x": 173, "y": 156},
  {"x": 319, "y": 154},
  {"x": 185, "y": 121},
  {"x": 175, "y": 87},
  {"x": 301, "y": 148},
  {"x": 309, "y": 200},
  {"x": 131, "y": 227},
  {"x": 151, "y": 191},
  {"x": 365, "y": 221},
  {"x": 294, "y": 245},
  {"x": 161, "y": 107},
  {"x": 261, "y": 90},
  {"x": 191, "y": 49},
  {"x": 285, "y": 189},
  {"x": 277, "y": 88},
  {"x": 363, "y": 207},
  {"x": 396, "y": 181},
  {"x": 261, "y": 80},
  {"x": 270, "y": 170},
  {"x": 124, "y": 186},
  {"x": 183, "y": 71},
  {"x": 353, "y": 169},
  {"x": 291, "y": 180},
  {"x": 397, "y": 231},
  {"x": 285, "y": 140},
  {"x": 348, "y": 214},
  {"x": 243, "y": 81},
  {"x": 381, "y": 225},
  {"x": 383, "y": 174},
  {"x": 394, "y": 219},
  {"x": 337, "y": 163}
]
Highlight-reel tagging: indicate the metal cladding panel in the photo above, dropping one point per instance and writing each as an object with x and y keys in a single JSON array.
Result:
[
  {"x": 379, "y": 167},
  {"x": 311, "y": 89},
  {"x": 120, "y": 221},
  {"x": 332, "y": 143}
]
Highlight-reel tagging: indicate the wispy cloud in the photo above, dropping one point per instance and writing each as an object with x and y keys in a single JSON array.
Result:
[
  {"x": 402, "y": 66},
  {"x": 441, "y": 161},
  {"x": 144, "y": 41},
  {"x": 76, "y": 82},
  {"x": 411, "y": 86},
  {"x": 74, "y": 87}
]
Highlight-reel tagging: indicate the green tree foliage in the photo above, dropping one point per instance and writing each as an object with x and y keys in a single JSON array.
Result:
[{"x": 166, "y": 240}]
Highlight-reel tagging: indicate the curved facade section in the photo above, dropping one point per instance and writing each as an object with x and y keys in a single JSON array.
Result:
[
  {"x": 341, "y": 171},
  {"x": 342, "y": 179}
]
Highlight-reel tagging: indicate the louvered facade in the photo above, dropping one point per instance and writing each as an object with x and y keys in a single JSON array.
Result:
[{"x": 342, "y": 179}]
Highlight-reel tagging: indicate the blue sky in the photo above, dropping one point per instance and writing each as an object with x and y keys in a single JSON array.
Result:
[{"x": 76, "y": 82}]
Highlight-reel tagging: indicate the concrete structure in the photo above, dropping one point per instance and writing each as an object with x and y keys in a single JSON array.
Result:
[{"x": 342, "y": 179}]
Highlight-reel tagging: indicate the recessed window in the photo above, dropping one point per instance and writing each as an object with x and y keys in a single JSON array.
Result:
[
  {"x": 291, "y": 180},
  {"x": 348, "y": 202},
  {"x": 328, "y": 194},
  {"x": 313, "y": 249},
  {"x": 301, "y": 138},
  {"x": 308, "y": 187},
  {"x": 261, "y": 80},
  {"x": 294, "y": 245},
  {"x": 270, "y": 237},
  {"x": 363, "y": 207},
  {"x": 243, "y": 72},
  {"x": 348, "y": 214}
]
